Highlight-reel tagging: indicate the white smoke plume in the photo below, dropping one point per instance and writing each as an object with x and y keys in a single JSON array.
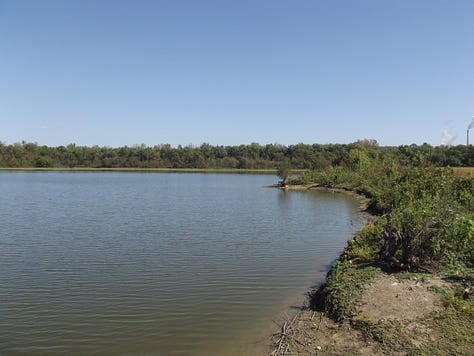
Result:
[
  {"x": 471, "y": 125},
  {"x": 447, "y": 138}
]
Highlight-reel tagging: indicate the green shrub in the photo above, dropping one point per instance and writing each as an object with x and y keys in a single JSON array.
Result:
[
  {"x": 428, "y": 213},
  {"x": 344, "y": 287}
]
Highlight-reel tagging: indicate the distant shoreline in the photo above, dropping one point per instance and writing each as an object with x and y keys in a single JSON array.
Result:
[
  {"x": 144, "y": 170},
  {"x": 362, "y": 199}
]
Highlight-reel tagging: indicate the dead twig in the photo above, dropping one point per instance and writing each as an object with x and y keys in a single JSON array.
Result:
[
  {"x": 320, "y": 320},
  {"x": 281, "y": 345}
]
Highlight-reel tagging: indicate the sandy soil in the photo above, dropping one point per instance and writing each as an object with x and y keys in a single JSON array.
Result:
[
  {"x": 386, "y": 300},
  {"x": 389, "y": 298}
]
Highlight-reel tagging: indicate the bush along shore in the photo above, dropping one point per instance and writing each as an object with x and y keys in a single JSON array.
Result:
[{"x": 404, "y": 283}]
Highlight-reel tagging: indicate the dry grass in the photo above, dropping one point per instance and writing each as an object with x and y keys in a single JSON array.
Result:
[{"x": 464, "y": 171}]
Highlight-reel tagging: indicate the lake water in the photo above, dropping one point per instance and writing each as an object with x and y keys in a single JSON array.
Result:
[{"x": 158, "y": 263}]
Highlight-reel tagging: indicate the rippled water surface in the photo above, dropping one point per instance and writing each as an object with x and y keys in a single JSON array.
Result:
[{"x": 159, "y": 263}]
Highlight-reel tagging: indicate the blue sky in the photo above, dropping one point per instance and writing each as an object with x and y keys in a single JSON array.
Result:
[{"x": 116, "y": 72}]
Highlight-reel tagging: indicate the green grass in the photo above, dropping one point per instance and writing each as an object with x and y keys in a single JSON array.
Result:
[
  {"x": 454, "y": 326},
  {"x": 344, "y": 288}
]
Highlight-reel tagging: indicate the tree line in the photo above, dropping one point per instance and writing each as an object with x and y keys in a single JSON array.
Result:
[{"x": 250, "y": 156}]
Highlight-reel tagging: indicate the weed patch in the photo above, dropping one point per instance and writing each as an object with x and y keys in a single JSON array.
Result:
[{"x": 344, "y": 287}]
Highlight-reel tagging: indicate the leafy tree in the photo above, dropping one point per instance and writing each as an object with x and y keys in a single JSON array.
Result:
[
  {"x": 42, "y": 162},
  {"x": 362, "y": 156},
  {"x": 284, "y": 172}
]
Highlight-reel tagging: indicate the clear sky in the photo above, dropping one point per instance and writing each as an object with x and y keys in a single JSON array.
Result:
[{"x": 125, "y": 72}]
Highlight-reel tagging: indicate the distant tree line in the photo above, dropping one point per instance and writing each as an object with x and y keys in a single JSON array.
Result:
[{"x": 250, "y": 156}]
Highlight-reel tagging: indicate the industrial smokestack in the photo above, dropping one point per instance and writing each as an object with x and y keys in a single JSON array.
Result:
[{"x": 471, "y": 125}]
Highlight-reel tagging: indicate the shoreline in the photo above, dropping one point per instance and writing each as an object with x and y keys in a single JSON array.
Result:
[
  {"x": 263, "y": 171},
  {"x": 362, "y": 199},
  {"x": 144, "y": 170},
  {"x": 294, "y": 326},
  {"x": 364, "y": 308}
]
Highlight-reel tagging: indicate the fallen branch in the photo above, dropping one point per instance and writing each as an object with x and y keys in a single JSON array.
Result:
[{"x": 281, "y": 345}]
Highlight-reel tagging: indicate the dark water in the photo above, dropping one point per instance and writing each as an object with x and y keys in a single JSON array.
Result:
[{"x": 120, "y": 263}]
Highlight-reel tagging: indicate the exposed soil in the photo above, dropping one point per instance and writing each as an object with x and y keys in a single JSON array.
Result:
[
  {"x": 392, "y": 308},
  {"x": 390, "y": 298},
  {"x": 397, "y": 314}
]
